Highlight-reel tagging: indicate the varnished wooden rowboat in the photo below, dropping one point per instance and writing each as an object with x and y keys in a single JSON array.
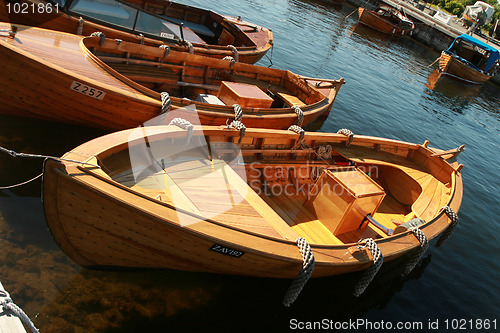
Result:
[
  {"x": 164, "y": 197},
  {"x": 386, "y": 19},
  {"x": 469, "y": 60},
  {"x": 152, "y": 22},
  {"x": 63, "y": 77}
]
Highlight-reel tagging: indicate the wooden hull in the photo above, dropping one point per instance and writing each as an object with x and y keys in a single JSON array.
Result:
[
  {"x": 454, "y": 68},
  {"x": 101, "y": 221},
  {"x": 372, "y": 20},
  {"x": 261, "y": 38},
  {"x": 69, "y": 84}
]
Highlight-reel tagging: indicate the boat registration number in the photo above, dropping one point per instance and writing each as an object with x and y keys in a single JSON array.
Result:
[
  {"x": 86, "y": 90},
  {"x": 227, "y": 251}
]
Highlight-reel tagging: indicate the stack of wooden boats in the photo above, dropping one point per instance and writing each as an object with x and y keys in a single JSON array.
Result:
[
  {"x": 153, "y": 22},
  {"x": 113, "y": 84},
  {"x": 386, "y": 19},
  {"x": 469, "y": 60}
]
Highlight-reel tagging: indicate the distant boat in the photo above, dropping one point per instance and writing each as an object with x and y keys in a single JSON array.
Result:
[
  {"x": 469, "y": 60},
  {"x": 386, "y": 19},
  {"x": 153, "y": 22},
  {"x": 164, "y": 197},
  {"x": 113, "y": 84}
]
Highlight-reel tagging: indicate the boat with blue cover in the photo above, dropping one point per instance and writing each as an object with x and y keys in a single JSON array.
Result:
[{"x": 469, "y": 60}]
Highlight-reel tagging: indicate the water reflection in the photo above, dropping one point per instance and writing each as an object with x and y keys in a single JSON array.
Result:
[{"x": 450, "y": 87}]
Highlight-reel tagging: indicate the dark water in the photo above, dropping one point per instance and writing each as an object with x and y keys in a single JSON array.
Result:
[{"x": 387, "y": 94}]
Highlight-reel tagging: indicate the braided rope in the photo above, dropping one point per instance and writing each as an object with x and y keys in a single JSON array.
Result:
[
  {"x": 305, "y": 273},
  {"x": 454, "y": 222},
  {"x": 142, "y": 38},
  {"x": 166, "y": 104},
  {"x": 235, "y": 52},
  {"x": 348, "y": 133},
  {"x": 300, "y": 115},
  {"x": 79, "y": 30},
  {"x": 236, "y": 124},
  {"x": 424, "y": 244},
  {"x": 184, "y": 124},
  {"x": 369, "y": 274},
  {"x": 299, "y": 130},
  {"x": 238, "y": 112},
  {"x": 101, "y": 35},
  {"x": 325, "y": 152},
  {"x": 166, "y": 48},
  {"x": 8, "y": 304},
  {"x": 229, "y": 58},
  {"x": 190, "y": 47}
]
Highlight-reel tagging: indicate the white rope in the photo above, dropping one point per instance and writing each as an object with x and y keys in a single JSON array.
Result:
[
  {"x": 236, "y": 124},
  {"x": 9, "y": 305},
  {"x": 190, "y": 47},
  {"x": 231, "y": 59},
  {"x": 305, "y": 273},
  {"x": 142, "y": 39},
  {"x": 21, "y": 184},
  {"x": 166, "y": 48},
  {"x": 454, "y": 222},
  {"x": 348, "y": 133},
  {"x": 79, "y": 31},
  {"x": 184, "y": 124},
  {"x": 238, "y": 112},
  {"x": 235, "y": 52},
  {"x": 300, "y": 115},
  {"x": 166, "y": 103},
  {"x": 370, "y": 273},
  {"x": 101, "y": 35},
  {"x": 299, "y": 130},
  {"x": 424, "y": 244}
]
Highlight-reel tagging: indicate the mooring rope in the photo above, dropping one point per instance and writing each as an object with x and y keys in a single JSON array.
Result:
[
  {"x": 370, "y": 273},
  {"x": 235, "y": 52},
  {"x": 325, "y": 152},
  {"x": 300, "y": 115},
  {"x": 21, "y": 184},
  {"x": 304, "y": 275},
  {"x": 454, "y": 222},
  {"x": 299, "y": 130},
  {"x": 8, "y": 304},
  {"x": 166, "y": 103},
  {"x": 424, "y": 244},
  {"x": 101, "y": 35},
  {"x": 184, "y": 124},
  {"x": 348, "y": 133}
]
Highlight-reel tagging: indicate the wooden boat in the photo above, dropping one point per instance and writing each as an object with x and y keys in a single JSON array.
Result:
[
  {"x": 386, "y": 19},
  {"x": 64, "y": 78},
  {"x": 469, "y": 60},
  {"x": 152, "y": 22},
  {"x": 164, "y": 197}
]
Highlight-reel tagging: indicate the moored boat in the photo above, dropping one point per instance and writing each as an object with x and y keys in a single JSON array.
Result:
[
  {"x": 180, "y": 26},
  {"x": 196, "y": 200},
  {"x": 386, "y": 19},
  {"x": 67, "y": 78},
  {"x": 469, "y": 60}
]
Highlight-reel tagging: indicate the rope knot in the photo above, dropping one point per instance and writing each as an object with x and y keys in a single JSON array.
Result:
[
  {"x": 101, "y": 35},
  {"x": 305, "y": 273},
  {"x": 184, "y": 124},
  {"x": 348, "y": 133},
  {"x": 325, "y": 152}
]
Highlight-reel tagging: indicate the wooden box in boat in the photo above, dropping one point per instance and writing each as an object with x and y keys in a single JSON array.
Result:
[
  {"x": 113, "y": 85},
  {"x": 342, "y": 197},
  {"x": 189, "y": 207},
  {"x": 156, "y": 23},
  {"x": 243, "y": 94}
]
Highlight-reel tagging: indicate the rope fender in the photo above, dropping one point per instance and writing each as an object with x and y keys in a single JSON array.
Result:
[
  {"x": 454, "y": 222},
  {"x": 348, "y": 133},
  {"x": 305, "y": 273},
  {"x": 370, "y": 273},
  {"x": 299, "y": 130},
  {"x": 166, "y": 48},
  {"x": 101, "y": 35},
  {"x": 231, "y": 59},
  {"x": 235, "y": 52},
  {"x": 424, "y": 244},
  {"x": 9, "y": 305},
  {"x": 166, "y": 104},
  {"x": 300, "y": 115},
  {"x": 184, "y": 124}
]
